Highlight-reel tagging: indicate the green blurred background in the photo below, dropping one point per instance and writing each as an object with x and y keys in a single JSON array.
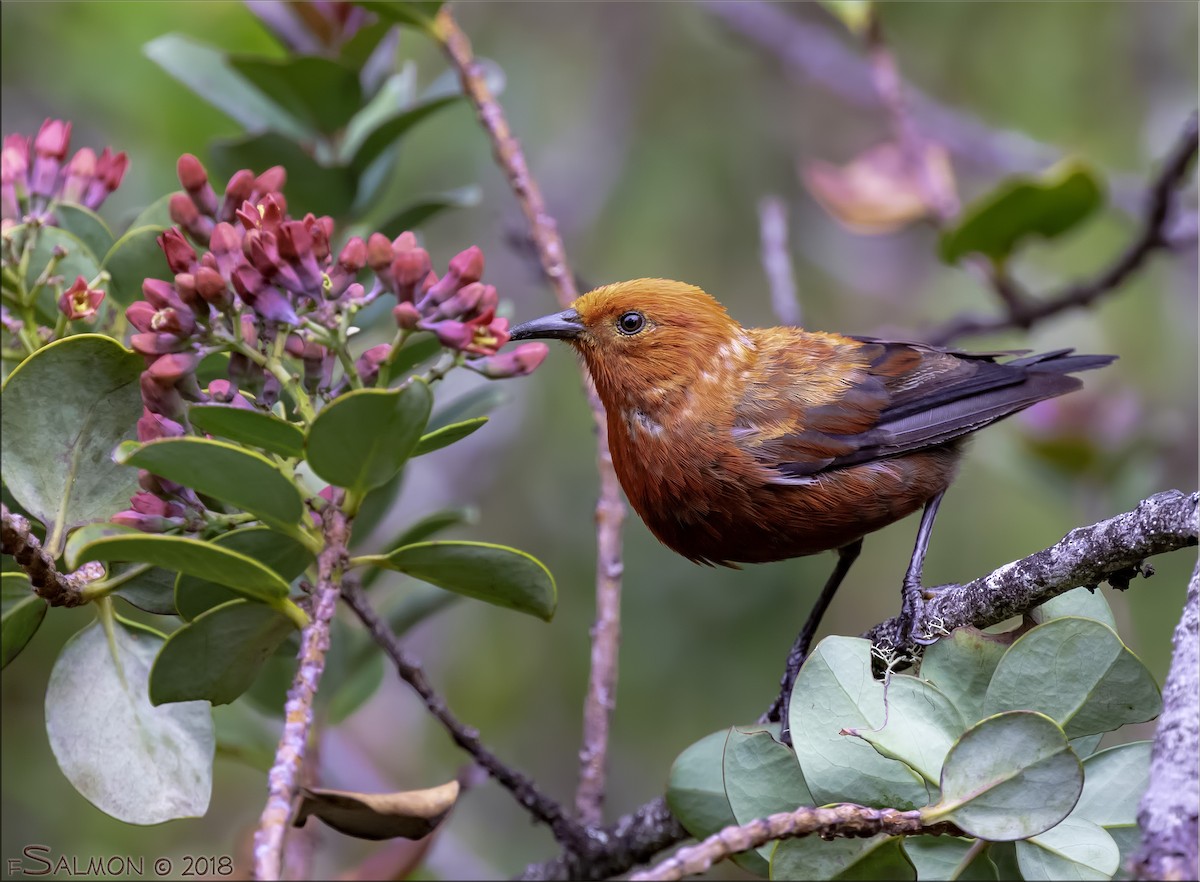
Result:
[{"x": 654, "y": 131}]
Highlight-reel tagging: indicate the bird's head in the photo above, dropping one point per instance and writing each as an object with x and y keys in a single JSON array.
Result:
[{"x": 643, "y": 336}]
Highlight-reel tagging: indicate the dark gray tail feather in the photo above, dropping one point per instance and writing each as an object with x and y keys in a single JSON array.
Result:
[{"x": 1061, "y": 361}]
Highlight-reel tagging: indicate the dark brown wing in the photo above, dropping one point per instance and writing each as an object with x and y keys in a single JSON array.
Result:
[{"x": 894, "y": 398}]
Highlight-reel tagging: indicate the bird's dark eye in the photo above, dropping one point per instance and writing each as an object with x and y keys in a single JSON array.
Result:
[{"x": 631, "y": 322}]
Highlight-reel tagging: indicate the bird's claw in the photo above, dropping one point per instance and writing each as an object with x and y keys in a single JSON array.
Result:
[{"x": 916, "y": 627}]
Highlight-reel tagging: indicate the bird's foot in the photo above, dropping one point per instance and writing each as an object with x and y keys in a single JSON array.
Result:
[{"x": 917, "y": 627}]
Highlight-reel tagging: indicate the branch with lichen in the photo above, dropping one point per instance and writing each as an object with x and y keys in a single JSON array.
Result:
[
  {"x": 1112, "y": 550},
  {"x": 610, "y": 511},
  {"x": 284, "y": 779},
  {"x": 568, "y": 832},
  {"x": 57, "y": 589},
  {"x": 844, "y": 820}
]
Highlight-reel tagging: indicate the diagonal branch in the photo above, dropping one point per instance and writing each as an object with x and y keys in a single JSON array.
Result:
[
  {"x": 610, "y": 512},
  {"x": 569, "y": 833},
  {"x": 1112, "y": 550},
  {"x": 58, "y": 589},
  {"x": 1167, "y": 815},
  {"x": 284, "y": 779},
  {"x": 845, "y": 820}
]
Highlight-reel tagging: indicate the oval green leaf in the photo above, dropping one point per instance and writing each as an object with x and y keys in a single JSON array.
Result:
[
  {"x": 56, "y": 459},
  {"x": 133, "y": 761},
  {"x": 253, "y": 427},
  {"x": 108, "y": 542},
  {"x": 1074, "y": 849},
  {"x": 1010, "y": 776},
  {"x": 278, "y": 553},
  {"x": 132, "y": 259},
  {"x": 152, "y": 590},
  {"x": 1077, "y": 602},
  {"x": 1086, "y": 679},
  {"x": 961, "y": 666},
  {"x": 21, "y": 614},
  {"x": 223, "y": 471},
  {"x": 391, "y": 130},
  {"x": 363, "y": 438},
  {"x": 79, "y": 261},
  {"x": 417, "y": 350},
  {"x": 319, "y": 188},
  {"x": 1050, "y": 206},
  {"x": 447, "y": 435},
  {"x": 85, "y": 225},
  {"x": 494, "y": 573},
  {"x": 319, "y": 92},
  {"x": 879, "y": 857},
  {"x": 217, "y": 656},
  {"x": 423, "y": 208},
  {"x": 834, "y": 691},
  {"x": 761, "y": 778},
  {"x": 1114, "y": 781},
  {"x": 949, "y": 857}
]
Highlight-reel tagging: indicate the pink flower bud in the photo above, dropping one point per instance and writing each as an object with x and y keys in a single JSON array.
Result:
[
  {"x": 180, "y": 255},
  {"x": 80, "y": 171},
  {"x": 139, "y": 314},
  {"x": 369, "y": 362},
  {"x": 354, "y": 256},
  {"x": 148, "y": 504},
  {"x": 191, "y": 173},
  {"x": 79, "y": 301},
  {"x": 450, "y": 333},
  {"x": 173, "y": 368},
  {"x": 408, "y": 270},
  {"x": 237, "y": 191},
  {"x": 212, "y": 288},
  {"x": 151, "y": 427},
  {"x": 14, "y": 159},
  {"x": 52, "y": 139},
  {"x": 145, "y": 523},
  {"x": 173, "y": 321},
  {"x": 468, "y": 265},
  {"x": 521, "y": 362},
  {"x": 182, "y": 209},
  {"x": 110, "y": 171},
  {"x": 406, "y": 315},
  {"x": 379, "y": 252},
  {"x": 272, "y": 180},
  {"x": 225, "y": 244},
  {"x": 226, "y": 392},
  {"x": 161, "y": 398},
  {"x": 157, "y": 343}
]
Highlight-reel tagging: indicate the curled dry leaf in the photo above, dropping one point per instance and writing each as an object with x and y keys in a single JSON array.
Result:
[
  {"x": 410, "y": 814},
  {"x": 878, "y": 191}
]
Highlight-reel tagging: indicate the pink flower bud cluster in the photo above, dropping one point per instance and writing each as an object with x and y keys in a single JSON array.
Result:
[{"x": 34, "y": 174}]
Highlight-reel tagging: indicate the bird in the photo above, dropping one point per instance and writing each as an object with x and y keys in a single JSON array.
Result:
[{"x": 748, "y": 445}]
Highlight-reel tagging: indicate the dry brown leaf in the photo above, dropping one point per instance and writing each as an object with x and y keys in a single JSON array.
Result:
[{"x": 410, "y": 814}]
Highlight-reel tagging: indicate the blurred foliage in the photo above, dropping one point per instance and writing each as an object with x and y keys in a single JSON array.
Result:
[{"x": 653, "y": 132}]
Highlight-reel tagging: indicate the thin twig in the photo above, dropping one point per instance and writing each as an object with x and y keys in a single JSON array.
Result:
[
  {"x": 610, "y": 511},
  {"x": 1152, "y": 236},
  {"x": 283, "y": 781},
  {"x": 776, "y": 260},
  {"x": 1167, "y": 815},
  {"x": 1113, "y": 549},
  {"x": 844, "y": 820},
  {"x": 58, "y": 589},
  {"x": 568, "y": 832}
]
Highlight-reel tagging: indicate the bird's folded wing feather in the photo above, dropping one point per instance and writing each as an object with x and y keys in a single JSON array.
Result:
[{"x": 863, "y": 400}]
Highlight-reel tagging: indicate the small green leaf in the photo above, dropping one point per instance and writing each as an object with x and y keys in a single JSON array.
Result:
[
  {"x": 1010, "y": 776},
  {"x": 854, "y": 14},
  {"x": 417, "y": 350},
  {"x": 425, "y": 207},
  {"x": 156, "y": 214},
  {"x": 216, "y": 656},
  {"x": 835, "y": 690},
  {"x": 56, "y": 459},
  {"x": 223, "y": 471},
  {"x": 879, "y": 857},
  {"x": 696, "y": 795},
  {"x": 1086, "y": 745},
  {"x": 948, "y": 857},
  {"x": 319, "y": 188},
  {"x": 1087, "y": 679},
  {"x": 320, "y": 92},
  {"x": 435, "y": 523},
  {"x": 494, "y": 573},
  {"x": 364, "y": 437},
  {"x": 86, "y": 225},
  {"x": 411, "y": 814},
  {"x": 108, "y": 542},
  {"x": 245, "y": 735},
  {"x": 761, "y": 777},
  {"x": 21, "y": 614},
  {"x": 280, "y": 554},
  {"x": 1021, "y": 207},
  {"x": 133, "y": 258},
  {"x": 961, "y": 666},
  {"x": 1114, "y": 782},
  {"x": 206, "y": 71},
  {"x": 1077, "y": 602},
  {"x": 133, "y": 761},
  {"x": 1074, "y": 849},
  {"x": 411, "y": 13},
  {"x": 447, "y": 435},
  {"x": 253, "y": 427},
  {"x": 152, "y": 591}
]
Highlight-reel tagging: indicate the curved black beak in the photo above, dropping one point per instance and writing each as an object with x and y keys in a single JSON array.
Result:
[{"x": 564, "y": 325}]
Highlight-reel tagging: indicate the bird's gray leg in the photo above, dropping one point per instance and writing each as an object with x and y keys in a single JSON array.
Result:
[
  {"x": 913, "y": 627},
  {"x": 847, "y": 554}
]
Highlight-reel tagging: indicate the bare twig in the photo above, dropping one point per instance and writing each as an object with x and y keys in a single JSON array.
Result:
[
  {"x": 283, "y": 781},
  {"x": 844, "y": 820},
  {"x": 777, "y": 264},
  {"x": 568, "y": 832},
  {"x": 610, "y": 511},
  {"x": 1167, "y": 815},
  {"x": 58, "y": 589},
  {"x": 1113, "y": 549},
  {"x": 1152, "y": 236}
]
